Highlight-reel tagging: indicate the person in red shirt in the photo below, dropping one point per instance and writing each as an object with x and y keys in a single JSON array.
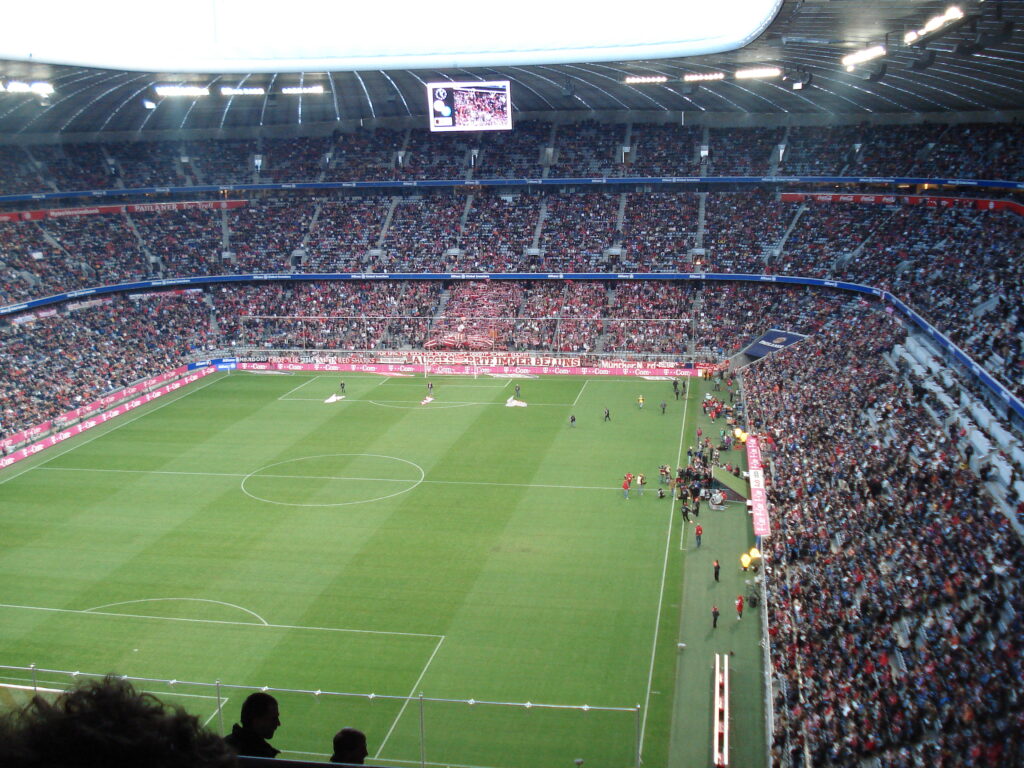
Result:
[
  {"x": 739, "y": 607},
  {"x": 625, "y": 486},
  {"x": 699, "y": 532}
]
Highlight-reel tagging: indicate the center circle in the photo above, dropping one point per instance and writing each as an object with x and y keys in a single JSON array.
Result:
[{"x": 316, "y": 481}]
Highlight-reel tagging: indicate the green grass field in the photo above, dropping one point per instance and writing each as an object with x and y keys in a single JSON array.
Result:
[{"x": 246, "y": 531}]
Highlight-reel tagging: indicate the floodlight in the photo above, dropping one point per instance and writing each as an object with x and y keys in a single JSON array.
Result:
[
  {"x": 703, "y": 77},
  {"x": 757, "y": 72},
  {"x": 850, "y": 61},
  {"x": 639, "y": 79},
  {"x": 227, "y": 90},
  {"x": 39, "y": 88},
  {"x": 147, "y": 104},
  {"x": 298, "y": 89},
  {"x": 181, "y": 90},
  {"x": 935, "y": 25}
]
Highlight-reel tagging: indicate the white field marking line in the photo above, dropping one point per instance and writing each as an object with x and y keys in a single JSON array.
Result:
[
  {"x": 182, "y": 599},
  {"x": 661, "y": 595},
  {"x": 117, "y": 425},
  {"x": 336, "y": 477},
  {"x": 93, "y": 612},
  {"x": 408, "y": 698},
  {"x": 585, "y": 382},
  {"x": 285, "y": 399},
  {"x": 221, "y": 703},
  {"x": 309, "y": 380}
]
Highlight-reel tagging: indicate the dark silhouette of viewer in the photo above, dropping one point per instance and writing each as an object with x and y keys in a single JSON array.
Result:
[
  {"x": 349, "y": 747},
  {"x": 107, "y": 724},
  {"x": 260, "y": 718}
]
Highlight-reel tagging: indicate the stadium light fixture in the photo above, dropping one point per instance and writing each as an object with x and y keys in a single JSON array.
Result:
[
  {"x": 181, "y": 90},
  {"x": 147, "y": 104},
  {"x": 227, "y": 90},
  {"x": 301, "y": 89},
  {"x": 798, "y": 79},
  {"x": 757, "y": 73},
  {"x": 703, "y": 77},
  {"x": 850, "y": 61},
  {"x": 934, "y": 26},
  {"x": 641, "y": 79},
  {"x": 39, "y": 88}
]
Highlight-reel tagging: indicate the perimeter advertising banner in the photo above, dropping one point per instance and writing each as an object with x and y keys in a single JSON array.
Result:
[
  {"x": 772, "y": 341},
  {"x": 758, "y": 492},
  {"x": 95, "y": 210}
]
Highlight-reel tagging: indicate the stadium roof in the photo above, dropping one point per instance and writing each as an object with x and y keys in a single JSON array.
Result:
[{"x": 973, "y": 65}]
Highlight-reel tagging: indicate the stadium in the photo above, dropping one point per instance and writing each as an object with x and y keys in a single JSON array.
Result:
[{"x": 584, "y": 403}]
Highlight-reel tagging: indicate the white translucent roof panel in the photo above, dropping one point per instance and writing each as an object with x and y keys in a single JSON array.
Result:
[{"x": 336, "y": 35}]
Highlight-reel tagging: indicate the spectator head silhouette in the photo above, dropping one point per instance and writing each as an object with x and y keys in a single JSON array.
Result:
[
  {"x": 260, "y": 719},
  {"x": 349, "y": 747},
  {"x": 108, "y": 723}
]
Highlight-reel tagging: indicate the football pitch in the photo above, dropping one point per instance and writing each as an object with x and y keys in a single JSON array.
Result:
[{"x": 460, "y": 578}]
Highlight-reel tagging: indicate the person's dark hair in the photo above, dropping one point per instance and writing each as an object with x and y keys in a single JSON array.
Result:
[
  {"x": 349, "y": 746},
  {"x": 255, "y": 705},
  {"x": 107, "y": 723}
]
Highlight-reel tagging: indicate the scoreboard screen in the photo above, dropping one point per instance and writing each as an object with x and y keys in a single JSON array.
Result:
[{"x": 470, "y": 106}]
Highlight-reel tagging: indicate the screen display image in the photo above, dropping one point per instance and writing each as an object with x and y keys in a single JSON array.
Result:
[{"x": 472, "y": 106}]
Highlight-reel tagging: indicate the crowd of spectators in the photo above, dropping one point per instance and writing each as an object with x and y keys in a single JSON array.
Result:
[
  {"x": 19, "y": 172},
  {"x": 664, "y": 149},
  {"x": 823, "y": 234},
  {"x": 477, "y": 315},
  {"x": 32, "y": 265},
  {"x": 577, "y": 230},
  {"x": 498, "y": 231},
  {"x": 104, "y": 245},
  {"x": 588, "y": 149},
  {"x": 658, "y": 231},
  {"x": 894, "y": 584},
  {"x": 744, "y": 151},
  {"x": 67, "y": 167},
  {"x": 187, "y": 242},
  {"x": 892, "y": 150},
  {"x": 54, "y": 364},
  {"x": 422, "y": 231},
  {"x": 148, "y": 164},
  {"x": 742, "y": 231},
  {"x": 343, "y": 315},
  {"x": 300, "y": 159},
  {"x": 820, "y": 150},
  {"x": 345, "y": 232},
  {"x": 955, "y": 265},
  {"x": 650, "y": 317},
  {"x": 515, "y": 154},
  {"x": 365, "y": 155},
  {"x": 227, "y": 161},
  {"x": 263, "y": 234}
]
